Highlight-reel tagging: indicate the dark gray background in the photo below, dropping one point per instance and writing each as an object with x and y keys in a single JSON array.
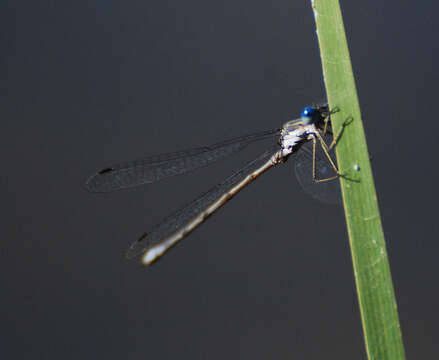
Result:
[{"x": 88, "y": 83}]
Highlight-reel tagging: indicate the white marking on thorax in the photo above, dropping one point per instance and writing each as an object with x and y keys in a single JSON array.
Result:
[{"x": 290, "y": 138}]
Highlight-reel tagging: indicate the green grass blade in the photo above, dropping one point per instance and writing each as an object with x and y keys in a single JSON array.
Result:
[{"x": 371, "y": 267}]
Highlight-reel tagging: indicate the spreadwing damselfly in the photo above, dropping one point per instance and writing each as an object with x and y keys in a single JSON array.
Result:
[{"x": 308, "y": 139}]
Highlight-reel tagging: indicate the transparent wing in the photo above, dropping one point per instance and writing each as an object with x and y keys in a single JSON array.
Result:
[
  {"x": 328, "y": 191},
  {"x": 157, "y": 167},
  {"x": 183, "y": 221}
]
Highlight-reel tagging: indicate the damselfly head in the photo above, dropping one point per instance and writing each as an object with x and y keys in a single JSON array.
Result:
[{"x": 311, "y": 115}]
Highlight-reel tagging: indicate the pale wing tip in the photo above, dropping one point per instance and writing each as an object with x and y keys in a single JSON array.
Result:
[
  {"x": 136, "y": 248},
  {"x": 100, "y": 181},
  {"x": 139, "y": 247},
  {"x": 91, "y": 188}
]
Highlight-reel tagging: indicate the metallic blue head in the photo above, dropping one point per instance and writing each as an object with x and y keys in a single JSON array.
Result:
[{"x": 310, "y": 114}]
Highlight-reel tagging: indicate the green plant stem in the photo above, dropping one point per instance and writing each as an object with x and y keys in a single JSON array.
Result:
[{"x": 376, "y": 297}]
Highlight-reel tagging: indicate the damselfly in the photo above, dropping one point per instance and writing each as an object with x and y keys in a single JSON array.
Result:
[{"x": 307, "y": 138}]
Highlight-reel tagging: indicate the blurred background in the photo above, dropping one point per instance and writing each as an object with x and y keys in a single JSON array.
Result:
[{"x": 85, "y": 84}]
